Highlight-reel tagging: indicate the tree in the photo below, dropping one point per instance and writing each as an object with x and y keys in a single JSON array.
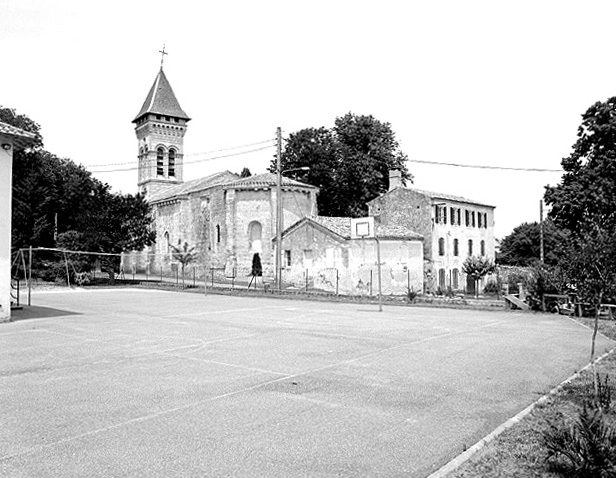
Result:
[
  {"x": 90, "y": 217},
  {"x": 184, "y": 255},
  {"x": 584, "y": 203},
  {"x": 522, "y": 246},
  {"x": 245, "y": 173},
  {"x": 117, "y": 223},
  {"x": 477, "y": 268},
  {"x": 350, "y": 163}
]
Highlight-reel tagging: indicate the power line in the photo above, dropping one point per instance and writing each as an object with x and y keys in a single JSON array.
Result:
[
  {"x": 190, "y": 154},
  {"x": 479, "y": 166},
  {"x": 189, "y": 162}
]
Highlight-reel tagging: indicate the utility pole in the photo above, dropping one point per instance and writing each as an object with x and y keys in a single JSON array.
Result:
[
  {"x": 541, "y": 254},
  {"x": 278, "y": 260}
]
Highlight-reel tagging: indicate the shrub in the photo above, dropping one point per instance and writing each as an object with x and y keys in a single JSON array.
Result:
[
  {"x": 83, "y": 278},
  {"x": 411, "y": 295},
  {"x": 585, "y": 446}
]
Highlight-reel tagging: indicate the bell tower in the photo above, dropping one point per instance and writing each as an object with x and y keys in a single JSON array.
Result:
[{"x": 160, "y": 127}]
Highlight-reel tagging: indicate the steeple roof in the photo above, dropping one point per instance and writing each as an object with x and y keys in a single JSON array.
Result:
[{"x": 161, "y": 100}]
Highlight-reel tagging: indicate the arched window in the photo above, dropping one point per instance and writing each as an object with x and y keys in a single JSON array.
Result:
[
  {"x": 160, "y": 154},
  {"x": 483, "y": 248},
  {"x": 441, "y": 246},
  {"x": 479, "y": 219},
  {"x": 456, "y": 248},
  {"x": 254, "y": 236},
  {"x": 473, "y": 218},
  {"x": 470, "y": 247},
  {"x": 467, "y": 216},
  {"x": 172, "y": 163},
  {"x": 166, "y": 243}
]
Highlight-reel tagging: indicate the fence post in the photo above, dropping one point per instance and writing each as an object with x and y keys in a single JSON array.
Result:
[
  {"x": 306, "y": 287},
  {"x": 177, "y": 276},
  {"x": 337, "y": 279},
  {"x": 134, "y": 267},
  {"x": 161, "y": 272},
  {"x": 212, "y": 273},
  {"x": 194, "y": 277},
  {"x": 370, "y": 282},
  {"x": 29, "y": 277},
  {"x": 233, "y": 279},
  {"x": 147, "y": 270}
]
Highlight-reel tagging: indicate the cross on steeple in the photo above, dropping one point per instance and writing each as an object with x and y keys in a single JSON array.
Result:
[{"x": 162, "y": 58}]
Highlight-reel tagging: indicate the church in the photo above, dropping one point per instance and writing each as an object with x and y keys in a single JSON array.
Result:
[{"x": 226, "y": 218}]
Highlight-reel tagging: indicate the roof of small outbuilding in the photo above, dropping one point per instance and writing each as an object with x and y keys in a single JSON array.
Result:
[
  {"x": 21, "y": 138},
  {"x": 341, "y": 227}
]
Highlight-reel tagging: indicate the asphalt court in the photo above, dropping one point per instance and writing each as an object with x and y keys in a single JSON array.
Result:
[{"x": 127, "y": 383}]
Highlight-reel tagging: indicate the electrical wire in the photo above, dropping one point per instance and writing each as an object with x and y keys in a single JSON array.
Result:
[
  {"x": 190, "y": 154},
  {"x": 478, "y": 166},
  {"x": 133, "y": 168}
]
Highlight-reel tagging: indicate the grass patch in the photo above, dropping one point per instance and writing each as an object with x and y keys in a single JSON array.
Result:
[{"x": 520, "y": 451}]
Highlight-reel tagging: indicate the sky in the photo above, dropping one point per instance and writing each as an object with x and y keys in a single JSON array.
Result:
[{"x": 475, "y": 83}]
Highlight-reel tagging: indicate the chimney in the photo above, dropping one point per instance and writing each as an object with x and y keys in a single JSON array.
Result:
[{"x": 395, "y": 179}]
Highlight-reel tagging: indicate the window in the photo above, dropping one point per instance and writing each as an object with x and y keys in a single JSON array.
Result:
[
  {"x": 166, "y": 243},
  {"x": 470, "y": 247},
  {"x": 441, "y": 279},
  {"x": 456, "y": 248},
  {"x": 468, "y": 217},
  {"x": 255, "y": 235},
  {"x": 479, "y": 219},
  {"x": 159, "y": 162},
  {"x": 167, "y": 118},
  {"x": 441, "y": 246},
  {"x": 459, "y": 214},
  {"x": 485, "y": 220},
  {"x": 287, "y": 259},
  {"x": 473, "y": 218},
  {"x": 452, "y": 215},
  {"x": 172, "y": 163},
  {"x": 483, "y": 248},
  {"x": 455, "y": 278},
  {"x": 444, "y": 210},
  {"x": 218, "y": 233}
]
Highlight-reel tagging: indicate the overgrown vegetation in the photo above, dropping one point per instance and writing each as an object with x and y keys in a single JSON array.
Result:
[{"x": 584, "y": 445}]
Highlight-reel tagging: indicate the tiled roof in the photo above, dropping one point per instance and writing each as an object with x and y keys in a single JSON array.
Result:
[
  {"x": 20, "y": 137},
  {"x": 265, "y": 180},
  {"x": 193, "y": 186},
  {"x": 443, "y": 196},
  {"x": 161, "y": 100},
  {"x": 342, "y": 227}
]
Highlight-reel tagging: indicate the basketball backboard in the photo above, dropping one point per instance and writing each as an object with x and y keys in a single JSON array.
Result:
[{"x": 362, "y": 227}]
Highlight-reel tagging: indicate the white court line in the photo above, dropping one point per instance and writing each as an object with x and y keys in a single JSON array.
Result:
[
  {"x": 169, "y": 411},
  {"x": 228, "y": 311}
]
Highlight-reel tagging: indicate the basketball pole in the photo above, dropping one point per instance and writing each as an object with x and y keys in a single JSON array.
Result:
[{"x": 378, "y": 260}]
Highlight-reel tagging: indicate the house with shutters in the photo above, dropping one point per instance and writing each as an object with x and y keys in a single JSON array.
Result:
[{"x": 453, "y": 229}]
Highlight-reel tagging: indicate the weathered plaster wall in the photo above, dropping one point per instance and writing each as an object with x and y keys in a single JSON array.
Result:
[{"x": 6, "y": 166}]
